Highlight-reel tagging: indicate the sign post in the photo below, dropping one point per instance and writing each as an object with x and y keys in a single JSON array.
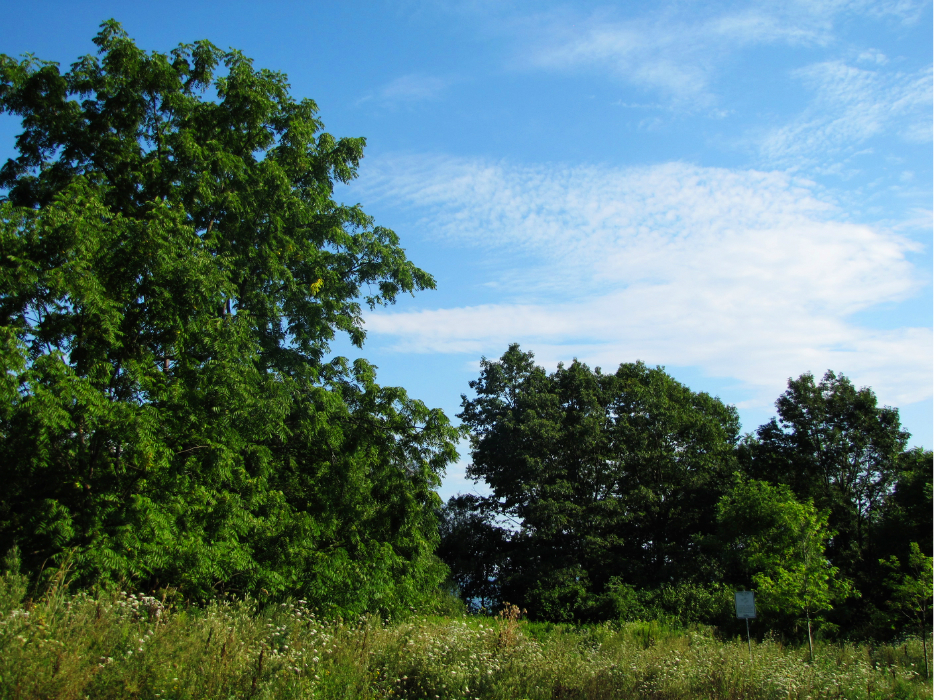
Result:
[{"x": 746, "y": 609}]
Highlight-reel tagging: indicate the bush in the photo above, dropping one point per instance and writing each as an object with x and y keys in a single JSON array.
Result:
[{"x": 683, "y": 604}]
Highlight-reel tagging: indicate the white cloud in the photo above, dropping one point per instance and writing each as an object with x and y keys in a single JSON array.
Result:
[
  {"x": 677, "y": 56},
  {"x": 852, "y": 105},
  {"x": 743, "y": 274},
  {"x": 678, "y": 50},
  {"x": 637, "y": 53},
  {"x": 873, "y": 56},
  {"x": 408, "y": 88},
  {"x": 908, "y": 11}
]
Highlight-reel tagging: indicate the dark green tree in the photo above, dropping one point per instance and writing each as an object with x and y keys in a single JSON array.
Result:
[
  {"x": 908, "y": 514},
  {"x": 911, "y": 593},
  {"x": 610, "y": 479},
  {"x": 900, "y": 541},
  {"x": 173, "y": 267},
  {"x": 831, "y": 443},
  {"x": 475, "y": 548}
]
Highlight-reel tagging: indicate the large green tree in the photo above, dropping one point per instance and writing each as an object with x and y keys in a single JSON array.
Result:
[
  {"x": 608, "y": 479},
  {"x": 172, "y": 268},
  {"x": 832, "y": 444}
]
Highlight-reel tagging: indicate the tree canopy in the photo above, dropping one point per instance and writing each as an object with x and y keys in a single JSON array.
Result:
[
  {"x": 832, "y": 444},
  {"x": 629, "y": 495},
  {"x": 173, "y": 267},
  {"x": 605, "y": 476}
]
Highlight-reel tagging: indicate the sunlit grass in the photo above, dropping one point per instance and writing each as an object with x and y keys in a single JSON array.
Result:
[{"x": 125, "y": 646}]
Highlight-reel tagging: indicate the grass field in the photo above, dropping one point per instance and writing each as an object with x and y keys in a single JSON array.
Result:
[{"x": 115, "y": 645}]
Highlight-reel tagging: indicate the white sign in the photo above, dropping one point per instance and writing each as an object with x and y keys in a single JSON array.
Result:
[{"x": 745, "y": 604}]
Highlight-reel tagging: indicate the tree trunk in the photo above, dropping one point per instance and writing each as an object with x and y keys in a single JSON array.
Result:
[
  {"x": 810, "y": 641},
  {"x": 924, "y": 647}
]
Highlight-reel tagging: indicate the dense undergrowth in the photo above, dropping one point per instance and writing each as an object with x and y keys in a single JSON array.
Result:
[{"x": 115, "y": 645}]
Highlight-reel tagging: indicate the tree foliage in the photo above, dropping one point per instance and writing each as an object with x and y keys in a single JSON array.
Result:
[
  {"x": 627, "y": 495},
  {"x": 172, "y": 269},
  {"x": 832, "y": 443},
  {"x": 474, "y": 547},
  {"x": 908, "y": 509},
  {"x": 781, "y": 546},
  {"x": 604, "y": 476},
  {"x": 912, "y": 592}
]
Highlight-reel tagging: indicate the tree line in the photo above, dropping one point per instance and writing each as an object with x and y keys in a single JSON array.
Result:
[
  {"x": 173, "y": 268},
  {"x": 628, "y": 494}
]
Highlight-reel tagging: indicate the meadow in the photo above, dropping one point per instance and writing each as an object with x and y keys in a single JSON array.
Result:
[{"x": 71, "y": 645}]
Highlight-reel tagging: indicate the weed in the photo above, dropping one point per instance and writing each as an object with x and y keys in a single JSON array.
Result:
[{"x": 115, "y": 645}]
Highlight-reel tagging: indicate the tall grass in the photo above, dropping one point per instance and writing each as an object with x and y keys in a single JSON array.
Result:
[{"x": 114, "y": 645}]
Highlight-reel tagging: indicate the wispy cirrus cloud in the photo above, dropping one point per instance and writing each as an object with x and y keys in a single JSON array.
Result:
[
  {"x": 906, "y": 11},
  {"x": 681, "y": 53},
  {"x": 677, "y": 57},
  {"x": 414, "y": 87},
  {"x": 668, "y": 50},
  {"x": 744, "y": 274},
  {"x": 852, "y": 104}
]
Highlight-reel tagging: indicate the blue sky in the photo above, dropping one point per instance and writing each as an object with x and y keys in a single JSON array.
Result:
[{"x": 740, "y": 192}]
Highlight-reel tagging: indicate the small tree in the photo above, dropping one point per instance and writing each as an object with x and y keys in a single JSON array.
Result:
[
  {"x": 912, "y": 592},
  {"x": 782, "y": 543}
]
